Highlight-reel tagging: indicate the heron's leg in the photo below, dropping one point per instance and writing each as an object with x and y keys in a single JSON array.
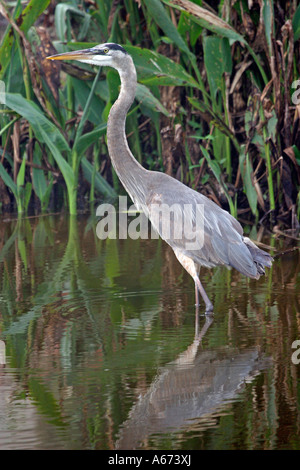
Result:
[
  {"x": 193, "y": 269},
  {"x": 199, "y": 288},
  {"x": 197, "y": 300},
  {"x": 197, "y": 303},
  {"x": 209, "y": 306}
]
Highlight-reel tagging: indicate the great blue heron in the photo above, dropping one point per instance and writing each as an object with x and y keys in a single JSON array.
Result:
[{"x": 218, "y": 238}]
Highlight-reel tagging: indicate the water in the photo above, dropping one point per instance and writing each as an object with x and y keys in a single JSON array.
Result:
[{"x": 101, "y": 348}]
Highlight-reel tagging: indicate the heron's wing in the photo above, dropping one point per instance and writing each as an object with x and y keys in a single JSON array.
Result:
[{"x": 196, "y": 226}]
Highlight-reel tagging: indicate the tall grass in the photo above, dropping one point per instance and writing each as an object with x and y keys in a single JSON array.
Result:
[{"x": 237, "y": 109}]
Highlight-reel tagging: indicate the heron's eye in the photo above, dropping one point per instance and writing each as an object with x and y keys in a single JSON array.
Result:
[{"x": 106, "y": 50}]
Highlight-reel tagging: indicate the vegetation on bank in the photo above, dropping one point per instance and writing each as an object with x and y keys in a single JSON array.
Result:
[{"x": 217, "y": 105}]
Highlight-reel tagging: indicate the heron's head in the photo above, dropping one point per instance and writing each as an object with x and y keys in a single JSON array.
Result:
[{"x": 108, "y": 54}]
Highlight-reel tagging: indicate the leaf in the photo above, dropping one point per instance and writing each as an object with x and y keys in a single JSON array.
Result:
[
  {"x": 145, "y": 97},
  {"x": 86, "y": 109},
  {"x": 213, "y": 165},
  {"x": 41, "y": 187},
  {"x": 187, "y": 26},
  {"x": 8, "y": 180},
  {"x": 47, "y": 194},
  {"x": 268, "y": 15},
  {"x": 296, "y": 24},
  {"x": 154, "y": 68},
  {"x": 82, "y": 93},
  {"x": 246, "y": 172},
  {"x": 272, "y": 126},
  {"x": 63, "y": 165},
  {"x": 26, "y": 19},
  {"x": 32, "y": 113},
  {"x": 60, "y": 18},
  {"x": 86, "y": 140},
  {"x": 213, "y": 23},
  {"x": 101, "y": 184},
  {"x": 216, "y": 169},
  {"x": 113, "y": 82},
  {"x": 214, "y": 118},
  {"x": 45, "y": 131},
  {"x": 38, "y": 176},
  {"x": 206, "y": 19},
  {"x": 21, "y": 173},
  {"x": 160, "y": 16},
  {"x": 217, "y": 59},
  {"x": 297, "y": 154}
]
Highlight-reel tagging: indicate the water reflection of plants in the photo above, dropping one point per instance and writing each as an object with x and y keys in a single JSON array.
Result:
[
  {"x": 233, "y": 113},
  {"x": 69, "y": 306}
]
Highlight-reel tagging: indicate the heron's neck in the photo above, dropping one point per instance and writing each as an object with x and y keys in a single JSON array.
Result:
[{"x": 130, "y": 172}]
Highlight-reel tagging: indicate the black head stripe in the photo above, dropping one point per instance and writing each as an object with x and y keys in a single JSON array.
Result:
[
  {"x": 115, "y": 47},
  {"x": 99, "y": 50}
]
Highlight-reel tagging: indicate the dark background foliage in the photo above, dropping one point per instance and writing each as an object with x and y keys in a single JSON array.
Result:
[{"x": 217, "y": 104}]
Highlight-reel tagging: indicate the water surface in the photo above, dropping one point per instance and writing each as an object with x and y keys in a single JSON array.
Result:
[{"x": 101, "y": 347}]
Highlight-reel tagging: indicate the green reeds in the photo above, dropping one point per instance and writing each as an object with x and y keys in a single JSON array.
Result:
[{"x": 213, "y": 63}]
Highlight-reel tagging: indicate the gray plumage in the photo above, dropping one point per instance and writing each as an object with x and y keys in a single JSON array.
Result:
[{"x": 218, "y": 240}]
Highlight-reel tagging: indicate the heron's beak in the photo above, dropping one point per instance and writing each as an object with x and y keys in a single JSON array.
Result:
[{"x": 73, "y": 55}]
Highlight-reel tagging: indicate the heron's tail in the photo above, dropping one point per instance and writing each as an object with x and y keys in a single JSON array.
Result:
[{"x": 261, "y": 258}]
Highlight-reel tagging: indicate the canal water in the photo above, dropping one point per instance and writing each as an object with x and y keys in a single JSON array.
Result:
[{"x": 101, "y": 347}]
